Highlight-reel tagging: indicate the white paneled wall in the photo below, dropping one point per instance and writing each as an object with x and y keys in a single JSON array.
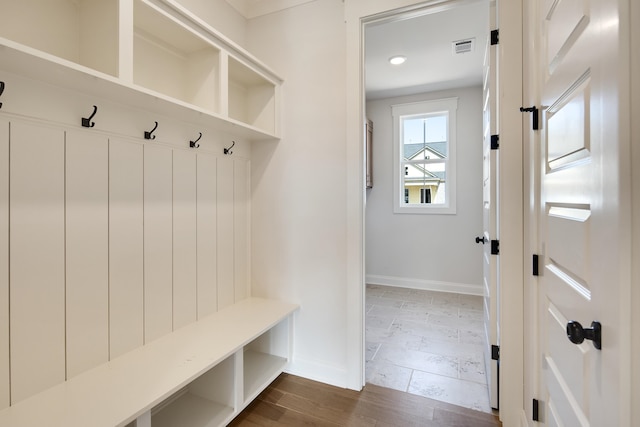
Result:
[
  {"x": 226, "y": 291},
  {"x": 87, "y": 250},
  {"x": 114, "y": 243},
  {"x": 207, "y": 259},
  {"x": 4, "y": 263},
  {"x": 241, "y": 229},
  {"x": 184, "y": 237},
  {"x": 158, "y": 241},
  {"x": 37, "y": 262},
  {"x": 126, "y": 247}
]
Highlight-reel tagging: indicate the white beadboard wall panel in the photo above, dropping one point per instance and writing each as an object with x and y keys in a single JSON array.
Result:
[
  {"x": 4, "y": 264},
  {"x": 225, "y": 227},
  {"x": 184, "y": 238},
  {"x": 158, "y": 241},
  {"x": 206, "y": 238},
  {"x": 241, "y": 244},
  {"x": 37, "y": 266},
  {"x": 87, "y": 250},
  {"x": 115, "y": 241},
  {"x": 126, "y": 259}
]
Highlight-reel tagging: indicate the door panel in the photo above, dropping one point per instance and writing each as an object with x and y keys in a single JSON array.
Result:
[
  {"x": 158, "y": 242},
  {"x": 87, "y": 246},
  {"x": 37, "y": 266},
  {"x": 568, "y": 240},
  {"x": 579, "y": 214},
  {"x": 566, "y": 20}
]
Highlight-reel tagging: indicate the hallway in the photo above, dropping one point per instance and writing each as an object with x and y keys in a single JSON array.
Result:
[
  {"x": 295, "y": 401},
  {"x": 427, "y": 343}
]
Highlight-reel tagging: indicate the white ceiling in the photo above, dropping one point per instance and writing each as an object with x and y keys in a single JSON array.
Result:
[{"x": 426, "y": 41}]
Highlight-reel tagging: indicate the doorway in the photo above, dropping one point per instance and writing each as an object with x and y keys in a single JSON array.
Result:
[{"x": 424, "y": 271}]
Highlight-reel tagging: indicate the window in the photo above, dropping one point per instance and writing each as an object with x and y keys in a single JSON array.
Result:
[{"x": 424, "y": 156}]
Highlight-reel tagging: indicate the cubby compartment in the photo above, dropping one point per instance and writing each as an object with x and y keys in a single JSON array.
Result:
[
  {"x": 81, "y": 31},
  {"x": 172, "y": 60},
  {"x": 264, "y": 359},
  {"x": 207, "y": 401},
  {"x": 252, "y": 97}
]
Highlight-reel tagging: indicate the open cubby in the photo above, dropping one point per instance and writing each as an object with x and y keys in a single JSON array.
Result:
[
  {"x": 264, "y": 359},
  {"x": 170, "y": 59},
  {"x": 207, "y": 401},
  {"x": 81, "y": 31},
  {"x": 251, "y": 97}
]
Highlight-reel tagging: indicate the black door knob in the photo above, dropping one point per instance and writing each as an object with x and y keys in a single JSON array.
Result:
[
  {"x": 577, "y": 334},
  {"x": 482, "y": 240}
]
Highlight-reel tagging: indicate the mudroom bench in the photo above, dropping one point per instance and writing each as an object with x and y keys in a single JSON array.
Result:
[{"x": 201, "y": 375}]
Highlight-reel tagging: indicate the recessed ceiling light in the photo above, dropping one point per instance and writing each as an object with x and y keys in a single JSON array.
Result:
[{"x": 397, "y": 60}]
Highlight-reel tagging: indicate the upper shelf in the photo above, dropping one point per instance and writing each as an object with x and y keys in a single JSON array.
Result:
[{"x": 150, "y": 54}]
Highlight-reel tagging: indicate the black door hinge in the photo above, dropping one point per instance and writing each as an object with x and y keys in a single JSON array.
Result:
[
  {"x": 535, "y": 265},
  {"x": 536, "y": 123},
  {"x": 495, "y": 37},
  {"x": 495, "y": 142},
  {"x": 495, "y": 352},
  {"x": 535, "y": 410},
  {"x": 495, "y": 247}
]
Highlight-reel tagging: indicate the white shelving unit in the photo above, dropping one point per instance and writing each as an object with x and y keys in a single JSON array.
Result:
[
  {"x": 151, "y": 54},
  {"x": 170, "y": 59},
  {"x": 251, "y": 97},
  {"x": 201, "y": 375},
  {"x": 84, "y": 32}
]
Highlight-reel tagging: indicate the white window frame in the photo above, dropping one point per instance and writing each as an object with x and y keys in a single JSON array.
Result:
[{"x": 401, "y": 111}]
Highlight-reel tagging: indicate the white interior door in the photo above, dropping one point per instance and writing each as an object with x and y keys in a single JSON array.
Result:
[
  {"x": 581, "y": 213},
  {"x": 490, "y": 216}
]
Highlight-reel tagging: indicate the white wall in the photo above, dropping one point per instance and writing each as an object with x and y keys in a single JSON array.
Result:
[
  {"x": 128, "y": 208},
  {"x": 221, "y": 16},
  {"x": 298, "y": 184},
  {"x": 427, "y": 251}
]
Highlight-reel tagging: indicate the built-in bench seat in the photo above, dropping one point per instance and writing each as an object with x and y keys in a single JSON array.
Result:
[{"x": 203, "y": 374}]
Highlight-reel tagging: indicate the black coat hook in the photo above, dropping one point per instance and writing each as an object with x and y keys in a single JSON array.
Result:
[
  {"x": 1, "y": 90},
  {"x": 194, "y": 144},
  {"x": 228, "y": 150},
  {"x": 148, "y": 134},
  {"x": 86, "y": 121}
]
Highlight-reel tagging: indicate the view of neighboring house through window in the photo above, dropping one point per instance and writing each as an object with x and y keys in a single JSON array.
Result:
[{"x": 424, "y": 156}]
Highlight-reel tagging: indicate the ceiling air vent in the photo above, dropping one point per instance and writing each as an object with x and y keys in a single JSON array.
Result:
[{"x": 463, "y": 46}]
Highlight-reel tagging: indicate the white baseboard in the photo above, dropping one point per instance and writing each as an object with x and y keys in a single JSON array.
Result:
[
  {"x": 317, "y": 371},
  {"x": 425, "y": 285}
]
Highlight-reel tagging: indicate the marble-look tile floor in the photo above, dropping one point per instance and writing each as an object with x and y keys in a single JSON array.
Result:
[{"x": 427, "y": 343}]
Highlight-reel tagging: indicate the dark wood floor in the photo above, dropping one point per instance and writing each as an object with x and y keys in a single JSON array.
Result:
[{"x": 295, "y": 401}]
